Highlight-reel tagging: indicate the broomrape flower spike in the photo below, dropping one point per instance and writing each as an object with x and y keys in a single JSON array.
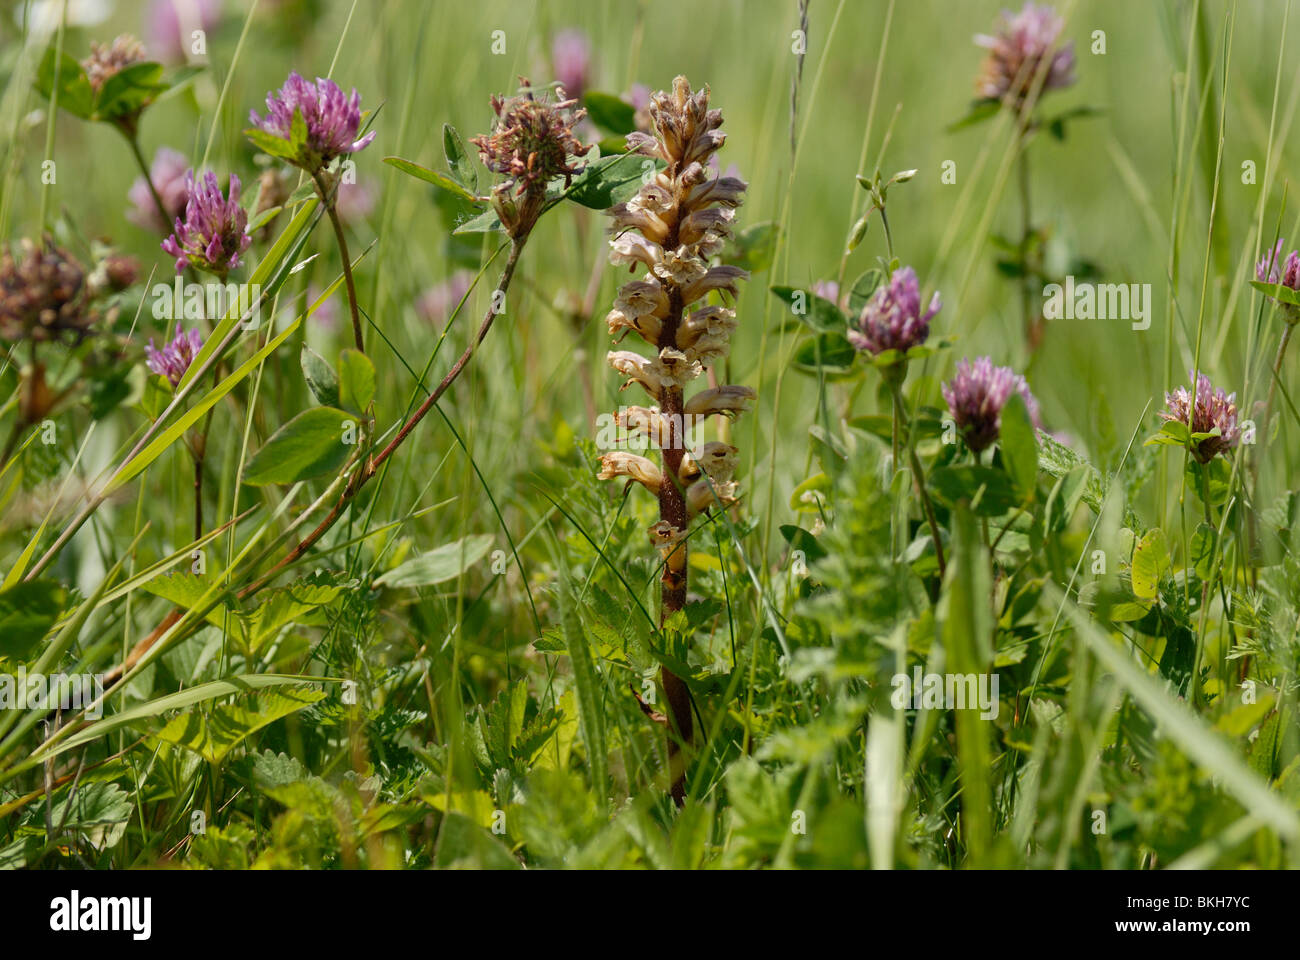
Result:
[
  {"x": 211, "y": 236},
  {"x": 531, "y": 143},
  {"x": 1017, "y": 53},
  {"x": 669, "y": 232},
  {"x": 313, "y": 122},
  {"x": 976, "y": 396},
  {"x": 1212, "y": 418},
  {"x": 176, "y": 356}
]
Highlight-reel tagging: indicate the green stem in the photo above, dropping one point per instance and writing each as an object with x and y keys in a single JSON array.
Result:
[
  {"x": 134, "y": 141},
  {"x": 328, "y": 200}
]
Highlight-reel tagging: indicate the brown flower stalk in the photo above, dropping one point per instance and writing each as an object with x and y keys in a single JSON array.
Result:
[{"x": 672, "y": 228}]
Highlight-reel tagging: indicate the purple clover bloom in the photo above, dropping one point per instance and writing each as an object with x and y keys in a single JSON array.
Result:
[
  {"x": 1017, "y": 51},
  {"x": 211, "y": 235},
  {"x": 332, "y": 120},
  {"x": 1273, "y": 269},
  {"x": 1213, "y": 410},
  {"x": 176, "y": 356},
  {"x": 976, "y": 395},
  {"x": 167, "y": 172},
  {"x": 892, "y": 318},
  {"x": 571, "y": 60}
]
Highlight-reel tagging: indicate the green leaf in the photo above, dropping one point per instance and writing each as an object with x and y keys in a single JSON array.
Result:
[
  {"x": 129, "y": 91},
  {"x": 989, "y": 491},
  {"x": 270, "y": 144},
  {"x": 1201, "y": 551},
  {"x": 485, "y": 222},
  {"x": 863, "y": 288},
  {"x": 612, "y": 114},
  {"x": 754, "y": 247},
  {"x": 1176, "y": 720},
  {"x": 801, "y": 539},
  {"x": 215, "y": 690},
  {"x": 816, "y": 313},
  {"x": 311, "y": 444},
  {"x": 1019, "y": 446},
  {"x": 438, "y": 565},
  {"x": 829, "y": 353},
  {"x": 609, "y": 180},
  {"x": 1150, "y": 563},
  {"x": 440, "y": 180},
  {"x": 1278, "y": 292},
  {"x": 216, "y": 732},
  {"x": 28, "y": 610},
  {"x": 356, "y": 381},
  {"x": 320, "y": 377},
  {"x": 980, "y": 111},
  {"x": 458, "y": 161},
  {"x": 75, "y": 93}
]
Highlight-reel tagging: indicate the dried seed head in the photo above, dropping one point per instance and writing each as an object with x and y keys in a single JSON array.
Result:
[
  {"x": 532, "y": 143},
  {"x": 106, "y": 60},
  {"x": 43, "y": 296}
]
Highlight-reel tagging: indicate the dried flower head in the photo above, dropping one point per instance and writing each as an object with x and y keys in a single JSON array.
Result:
[
  {"x": 167, "y": 172},
  {"x": 176, "y": 356},
  {"x": 532, "y": 143},
  {"x": 105, "y": 60},
  {"x": 976, "y": 396},
  {"x": 893, "y": 319},
  {"x": 1212, "y": 411},
  {"x": 1025, "y": 41},
  {"x": 43, "y": 296},
  {"x": 211, "y": 236},
  {"x": 332, "y": 121}
]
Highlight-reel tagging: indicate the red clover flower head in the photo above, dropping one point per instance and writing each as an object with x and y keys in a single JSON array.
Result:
[
  {"x": 893, "y": 319},
  {"x": 1212, "y": 410},
  {"x": 211, "y": 236},
  {"x": 1273, "y": 269},
  {"x": 976, "y": 396},
  {"x": 1016, "y": 54},
  {"x": 176, "y": 356},
  {"x": 332, "y": 120}
]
